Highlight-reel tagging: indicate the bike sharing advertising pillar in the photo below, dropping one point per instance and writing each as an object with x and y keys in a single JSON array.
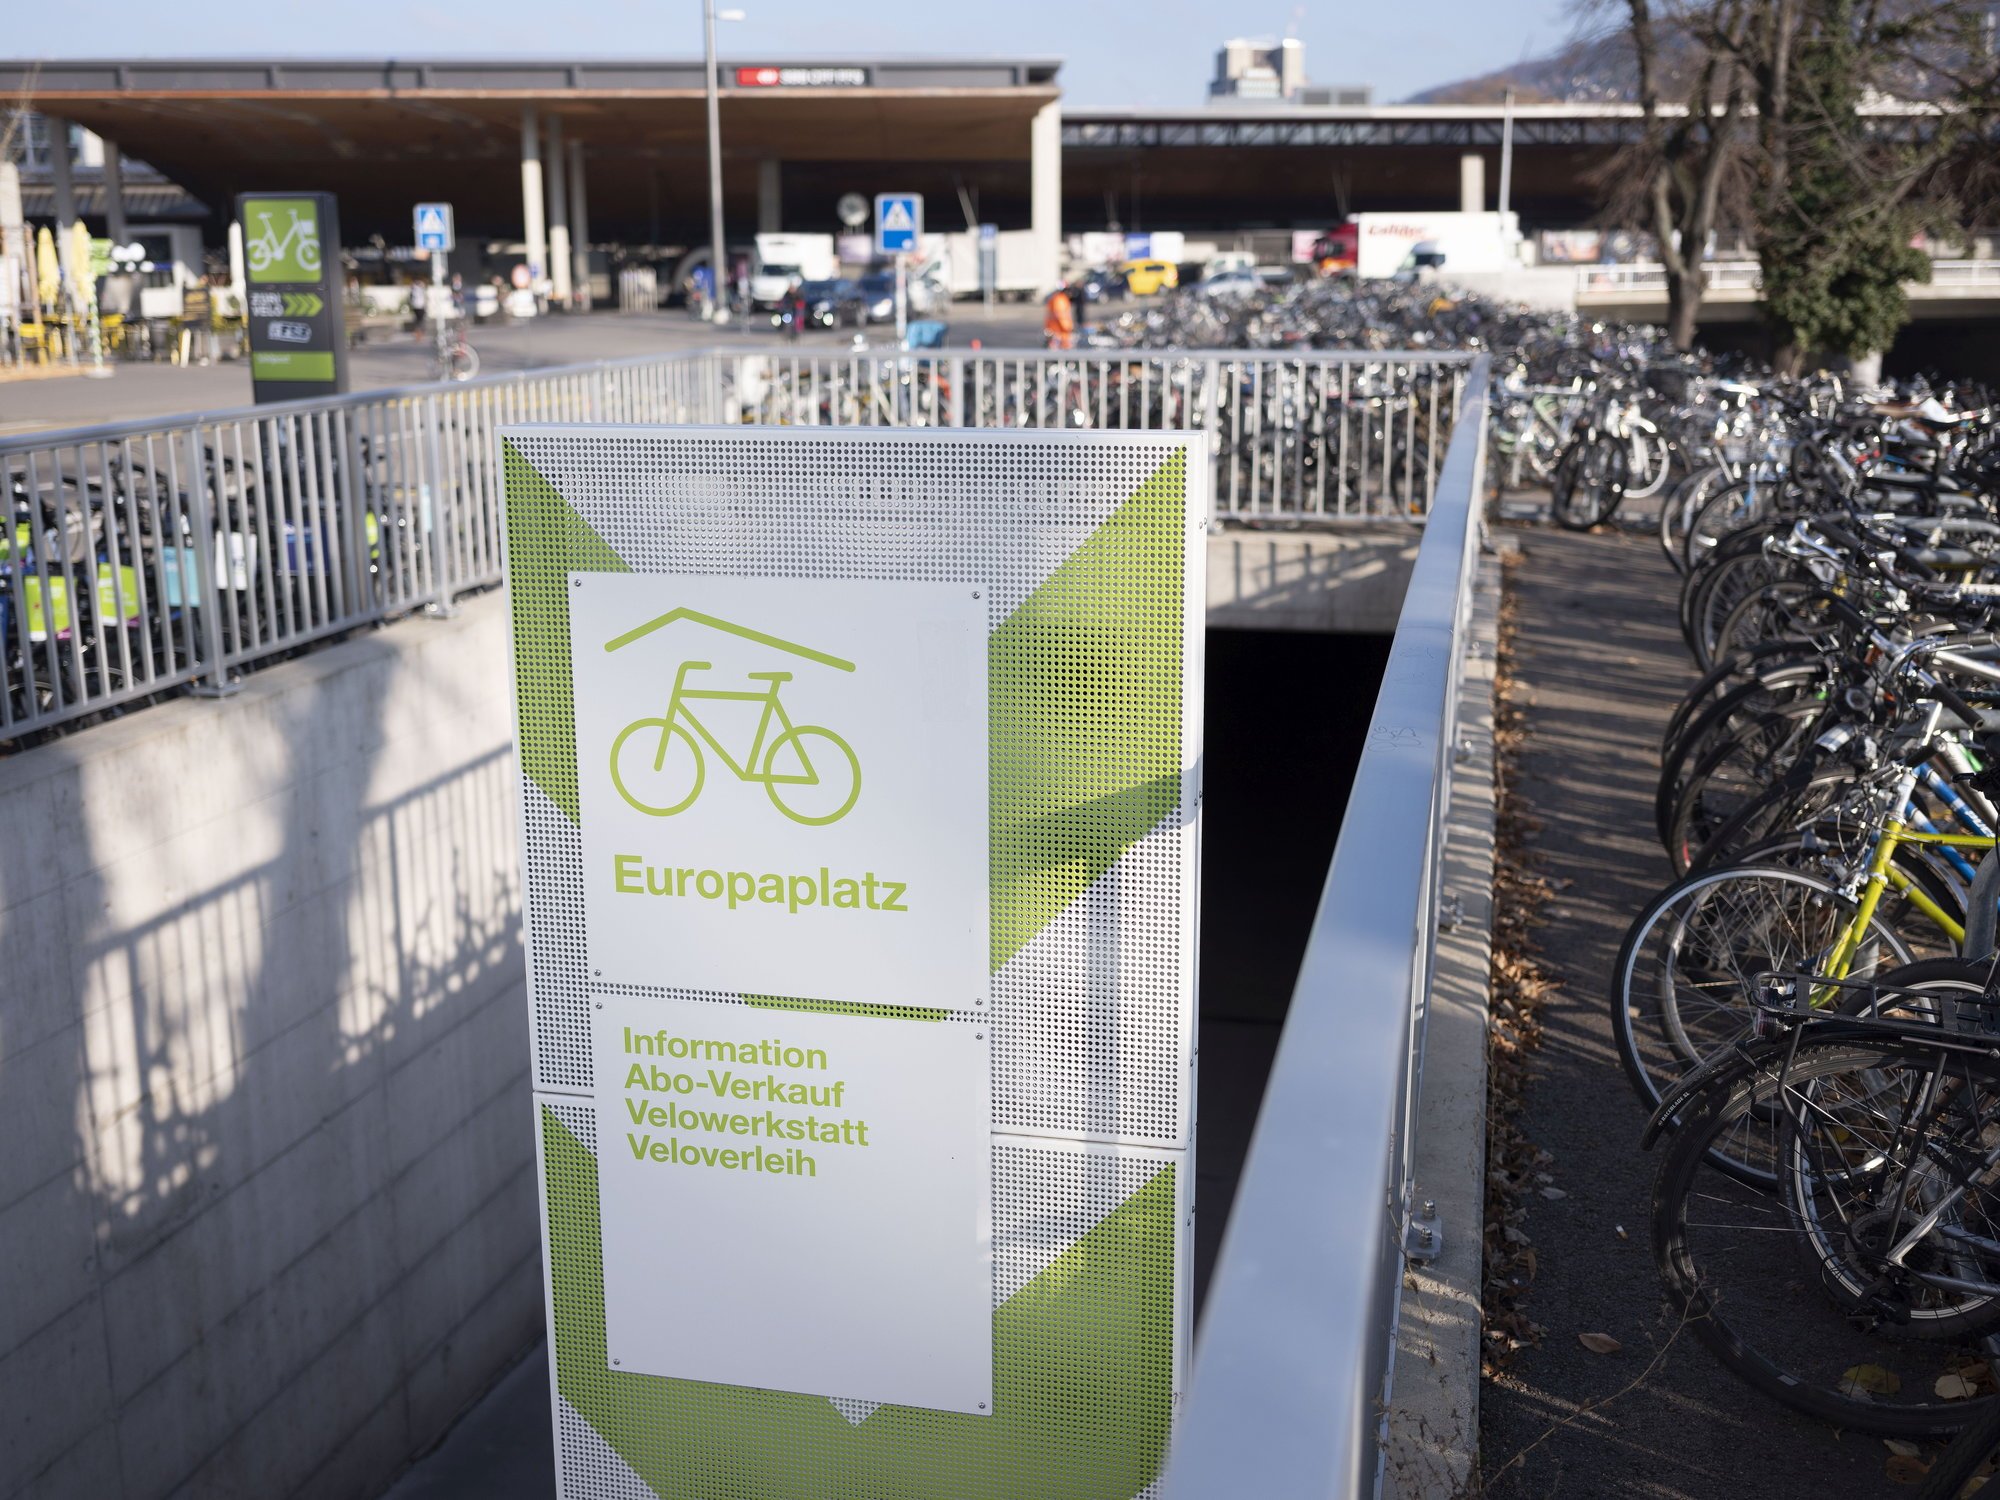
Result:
[
  {"x": 860, "y": 788},
  {"x": 298, "y": 343}
]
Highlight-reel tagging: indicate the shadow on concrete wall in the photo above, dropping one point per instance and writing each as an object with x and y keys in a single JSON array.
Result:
[{"x": 268, "y": 1219}]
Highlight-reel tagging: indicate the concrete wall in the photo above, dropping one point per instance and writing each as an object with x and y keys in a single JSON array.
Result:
[
  {"x": 1349, "y": 579},
  {"x": 267, "y": 1202}
]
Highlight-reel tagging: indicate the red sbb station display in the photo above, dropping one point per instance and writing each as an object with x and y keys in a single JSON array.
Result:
[{"x": 801, "y": 78}]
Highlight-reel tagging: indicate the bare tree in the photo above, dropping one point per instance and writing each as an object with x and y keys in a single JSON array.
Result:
[{"x": 1675, "y": 178}]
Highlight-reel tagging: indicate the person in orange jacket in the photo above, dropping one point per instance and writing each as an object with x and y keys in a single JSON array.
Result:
[{"x": 1059, "y": 324}]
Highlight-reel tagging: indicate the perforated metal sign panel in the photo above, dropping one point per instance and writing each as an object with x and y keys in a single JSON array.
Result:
[{"x": 1086, "y": 551}]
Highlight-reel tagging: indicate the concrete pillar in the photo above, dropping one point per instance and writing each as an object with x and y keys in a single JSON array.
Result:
[
  {"x": 532, "y": 231},
  {"x": 114, "y": 196},
  {"x": 579, "y": 226},
  {"x": 238, "y": 281},
  {"x": 1472, "y": 183},
  {"x": 65, "y": 194},
  {"x": 1045, "y": 193},
  {"x": 13, "y": 221},
  {"x": 770, "y": 196},
  {"x": 559, "y": 264}
]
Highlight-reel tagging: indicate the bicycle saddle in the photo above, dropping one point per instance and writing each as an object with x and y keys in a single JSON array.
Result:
[{"x": 769, "y": 676}]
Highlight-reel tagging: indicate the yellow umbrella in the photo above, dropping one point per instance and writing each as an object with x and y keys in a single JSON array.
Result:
[
  {"x": 48, "y": 273},
  {"x": 79, "y": 265}
]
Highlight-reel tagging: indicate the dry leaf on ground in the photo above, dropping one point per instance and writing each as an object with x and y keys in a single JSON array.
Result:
[
  {"x": 1903, "y": 1470},
  {"x": 1599, "y": 1343}
]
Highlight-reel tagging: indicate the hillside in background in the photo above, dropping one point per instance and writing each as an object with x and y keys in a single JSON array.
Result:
[
  {"x": 1600, "y": 69},
  {"x": 1592, "y": 69}
]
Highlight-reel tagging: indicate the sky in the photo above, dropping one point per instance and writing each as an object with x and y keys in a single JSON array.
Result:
[{"x": 1156, "y": 53}]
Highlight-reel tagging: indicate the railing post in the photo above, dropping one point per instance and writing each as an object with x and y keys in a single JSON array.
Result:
[
  {"x": 215, "y": 681},
  {"x": 957, "y": 390},
  {"x": 1211, "y": 423},
  {"x": 444, "y": 512}
]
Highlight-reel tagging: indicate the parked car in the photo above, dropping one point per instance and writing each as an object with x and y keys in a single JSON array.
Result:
[
  {"x": 771, "y": 284},
  {"x": 1233, "y": 284},
  {"x": 834, "y": 304},
  {"x": 1146, "y": 278},
  {"x": 878, "y": 297},
  {"x": 1100, "y": 285}
]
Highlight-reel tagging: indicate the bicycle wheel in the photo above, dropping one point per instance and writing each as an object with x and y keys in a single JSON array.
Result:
[
  {"x": 1740, "y": 1266},
  {"x": 1683, "y": 986},
  {"x": 1648, "y": 457},
  {"x": 1589, "y": 482},
  {"x": 1866, "y": 1161},
  {"x": 461, "y": 361},
  {"x": 657, "y": 773},
  {"x": 812, "y": 774},
  {"x": 1974, "y": 1451}
]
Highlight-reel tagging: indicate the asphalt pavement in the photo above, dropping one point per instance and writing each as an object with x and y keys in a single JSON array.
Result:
[
  {"x": 1603, "y": 662},
  {"x": 388, "y": 357}
]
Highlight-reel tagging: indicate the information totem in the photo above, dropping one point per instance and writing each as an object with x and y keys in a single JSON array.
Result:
[
  {"x": 298, "y": 335},
  {"x": 860, "y": 777}
]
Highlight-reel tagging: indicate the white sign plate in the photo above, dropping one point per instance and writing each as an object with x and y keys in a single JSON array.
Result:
[
  {"x": 796, "y": 1201},
  {"x": 899, "y": 222},
  {"x": 434, "y": 227},
  {"x": 783, "y": 786}
]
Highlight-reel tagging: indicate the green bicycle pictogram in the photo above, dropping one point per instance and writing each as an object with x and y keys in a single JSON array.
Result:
[
  {"x": 658, "y": 766},
  {"x": 292, "y": 255}
]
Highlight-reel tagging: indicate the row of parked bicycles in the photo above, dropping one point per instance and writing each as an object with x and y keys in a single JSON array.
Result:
[
  {"x": 115, "y": 581},
  {"x": 1811, "y": 1009}
]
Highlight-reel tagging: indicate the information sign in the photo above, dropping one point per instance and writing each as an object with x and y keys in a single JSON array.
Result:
[
  {"x": 797, "y": 1201},
  {"x": 860, "y": 801},
  {"x": 298, "y": 344}
]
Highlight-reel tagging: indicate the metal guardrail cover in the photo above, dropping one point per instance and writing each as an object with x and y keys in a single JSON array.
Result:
[{"x": 1288, "y": 1388}]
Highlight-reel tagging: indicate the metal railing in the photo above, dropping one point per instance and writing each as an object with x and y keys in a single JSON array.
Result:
[
  {"x": 1289, "y": 1391},
  {"x": 144, "y": 556},
  {"x": 1747, "y": 277},
  {"x": 1315, "y": 435}
]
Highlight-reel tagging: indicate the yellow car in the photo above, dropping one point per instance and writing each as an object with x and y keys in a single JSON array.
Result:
[{"x": 1144, "y": 278}]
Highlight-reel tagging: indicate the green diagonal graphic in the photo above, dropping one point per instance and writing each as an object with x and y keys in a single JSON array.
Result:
[
  {"x": 1083, "y": 1380},
  {"x": 1085, "y": 686},
  {"x": 546, "y": 542}
]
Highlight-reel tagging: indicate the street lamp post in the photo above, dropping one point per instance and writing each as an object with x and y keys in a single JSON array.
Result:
[{"x": 718, "y": 263}]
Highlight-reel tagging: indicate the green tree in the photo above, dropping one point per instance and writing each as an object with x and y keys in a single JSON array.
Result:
[{"x": 1838, "y": 209}]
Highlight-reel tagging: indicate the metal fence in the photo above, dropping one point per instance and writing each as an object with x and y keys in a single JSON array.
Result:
[
  {"x": 144, "y": 556},
  {"x": 1314, "y": 435},
  {"x": 1289, "y": 1392},
  {"x": 141, "y": 556}
]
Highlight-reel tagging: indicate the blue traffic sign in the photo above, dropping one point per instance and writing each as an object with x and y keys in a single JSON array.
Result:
[
  {"x": 434, "y": 228},
  {"x": 899, "y": 222}
]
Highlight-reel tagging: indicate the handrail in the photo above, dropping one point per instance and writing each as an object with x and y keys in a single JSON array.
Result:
[
  {"x": 138, "y": 426},
  {"x": 1289, "y": 1383},
  {"x": 142, "y": 556}
]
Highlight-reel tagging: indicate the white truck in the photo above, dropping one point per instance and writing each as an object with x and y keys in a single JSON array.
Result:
[
  {"x": 1388, "y": 243},
  {"x": 784, "y": 260},
  {"x": 1017, "y": 272}
]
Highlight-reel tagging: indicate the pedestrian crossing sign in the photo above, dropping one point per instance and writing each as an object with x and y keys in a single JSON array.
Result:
[
  {"x": 434, "y": 229},
  {"x": 899, "y": 222}
]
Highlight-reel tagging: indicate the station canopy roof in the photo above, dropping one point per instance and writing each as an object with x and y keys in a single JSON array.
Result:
[{"x": 383, "y": 133}]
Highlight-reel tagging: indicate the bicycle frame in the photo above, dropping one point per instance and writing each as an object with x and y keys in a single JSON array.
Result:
[
  {"x": 746, "y": 771},
  {"x": 1882, "y": 875}
]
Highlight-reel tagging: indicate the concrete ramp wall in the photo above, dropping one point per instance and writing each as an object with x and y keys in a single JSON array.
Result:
[
  {"x": 1349, "y": 579},
  {"x": 267, "y": 1217}
]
